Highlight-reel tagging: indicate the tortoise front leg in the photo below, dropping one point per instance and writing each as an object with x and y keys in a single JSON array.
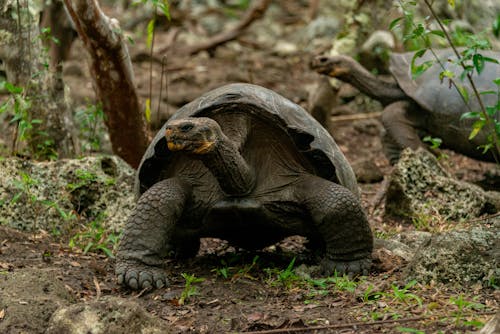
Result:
[
  {"x": 148, "y": 235},
  {"x": 401, "y": 123},
  {"x": 339, "y": 218}
]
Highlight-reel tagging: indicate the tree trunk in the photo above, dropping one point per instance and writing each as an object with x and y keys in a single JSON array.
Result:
[
  {"x": 113, "y": 78},
  {"x": 25, "y": 62}
]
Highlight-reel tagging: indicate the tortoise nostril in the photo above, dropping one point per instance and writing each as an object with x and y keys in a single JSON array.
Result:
[
  {"x": 322, "y": 59},
  {"x": 186, "y": 127}
]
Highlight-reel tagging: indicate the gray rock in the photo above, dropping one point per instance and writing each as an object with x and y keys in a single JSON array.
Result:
[
  {"x": 413, "y": 239},
  {"x": 322, "y": 26},
  {"x": 108, "y": 315},
  {"x": 461, "y": 257},
  {"x": 395, "y": 247},
  {"x": 367, "y": 171},
  {"x": 492, "y": 326},
  {"x": 420, "y": 187},
  {"x": 28, "y": 298},
  {"x": 42, "y": 195}
]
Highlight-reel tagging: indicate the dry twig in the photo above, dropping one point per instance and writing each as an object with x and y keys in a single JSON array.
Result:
[{"x": 254, "y": 13}]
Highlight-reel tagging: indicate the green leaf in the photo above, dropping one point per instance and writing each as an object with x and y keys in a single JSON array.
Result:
[
  {"x": 395, "y": 23},
  {"x": 420, "y": 69},
  {"x": 147, "y": 112},
  {"x": 471, "y": 114},
  {"x": 488, "y": 92},
  {"x": 165, "y": 8},
  {"x": 491, "y": 111},
  {"x": 476, "y": 127},
  {"x": 496, "y": 27},
  {"x": 478, "y": 61},
  {"x": 438, "y": 33},
  {"x": 88, "y": 247},
  {"x": 446, "y": 74},
  {"x": 497, "y": 81},
  {"x": 491, "y": 60},
  {"x": 464, "y": 92},
  {"x": 13, "y": 89},
  {"x": 150, "y": 30}
]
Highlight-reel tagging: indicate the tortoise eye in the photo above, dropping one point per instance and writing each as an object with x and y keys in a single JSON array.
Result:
[{"x": 186, "y": 127}]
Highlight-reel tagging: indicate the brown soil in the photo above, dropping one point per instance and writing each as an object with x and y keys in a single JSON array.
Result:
[{"x": 252, "y": 298}]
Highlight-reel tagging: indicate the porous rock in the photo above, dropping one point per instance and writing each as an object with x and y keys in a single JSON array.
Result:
[
  {"x": 108, "y": 315},
  {"x": 41, "y": 195},
  {"x": 460, "y": 257},
  {"x": 419, "y": 186},
  {"x": 28, "y": 297}
]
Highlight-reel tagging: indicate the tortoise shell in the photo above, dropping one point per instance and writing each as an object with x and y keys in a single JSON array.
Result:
[
  {"x": 438, "y": 96},
  {"x": 310, "y": 138}
]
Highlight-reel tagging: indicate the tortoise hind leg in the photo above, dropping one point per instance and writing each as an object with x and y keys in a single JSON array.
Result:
[
  {"x": 148, "y": 233},
  {"x": 338, "y": 216},
  {"x": 401, "y": 124}
]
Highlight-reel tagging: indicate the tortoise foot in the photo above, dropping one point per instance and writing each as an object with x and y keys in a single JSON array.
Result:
[
  {"x": 351, "y": 268},
  {"x": 137, "y": 275}
]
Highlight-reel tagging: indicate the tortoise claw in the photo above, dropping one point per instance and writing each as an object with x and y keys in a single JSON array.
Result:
[
  {"x": 136, "y": 275},
  {"x": 351, "y": 268}
]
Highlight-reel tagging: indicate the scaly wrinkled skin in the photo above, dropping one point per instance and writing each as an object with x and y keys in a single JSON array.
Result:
[
  {"x": 341, "y": 222},
  {"x": 147, "y": 235},
  {"x": 336, "y": 214}
]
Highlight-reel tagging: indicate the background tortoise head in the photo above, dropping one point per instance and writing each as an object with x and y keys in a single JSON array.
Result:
[
  {"x": 193, "y": 135},
  {"x": 338, "y": 66}
]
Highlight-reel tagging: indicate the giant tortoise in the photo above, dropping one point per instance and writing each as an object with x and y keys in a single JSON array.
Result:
[
  {"x": 425, "y": 106},
  {"x": 244, "y": 164}
]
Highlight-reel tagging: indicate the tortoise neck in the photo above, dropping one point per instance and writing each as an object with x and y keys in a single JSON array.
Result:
[
  {"x": 226, "y": 163},
  {"x": 369, "y": 84}
]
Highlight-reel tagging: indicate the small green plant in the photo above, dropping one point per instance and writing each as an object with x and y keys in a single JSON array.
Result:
[
  {"x": 345, "y": 283},
  {"x": 462, "y": 305},
  {"x": 20, "y": 105},
  {"x": 224, "y": 271},
  {"x": 164, "y": 7},
  {"x": 245, "y": 271},
  {"x": 420, "y": 37},
  {"x": 189, "y": 289},
  {"x": 434, "y": 142},
  {"x": 90, "y": 120},
  {"x": 85, "y": 177},
  {"x": 370, "y": 294},
  {"x": 403, "y": 294},
  {"x": 95, "y": 238},
  {"x": 286, "y": 277}
]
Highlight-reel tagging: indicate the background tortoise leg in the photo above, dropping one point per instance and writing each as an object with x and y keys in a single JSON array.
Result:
[
  {"x": 147, "y": 235},
  {"x": 401, "y": 126},
  {"x": 341, "y": 222}
]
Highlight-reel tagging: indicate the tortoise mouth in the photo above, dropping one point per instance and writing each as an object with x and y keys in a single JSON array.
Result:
[{"x": 196, "y": 147}]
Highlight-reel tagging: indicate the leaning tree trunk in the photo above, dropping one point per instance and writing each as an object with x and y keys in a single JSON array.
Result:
[
  {"x": 113, "y": 78},
  {"x": 24, "y": 61}
]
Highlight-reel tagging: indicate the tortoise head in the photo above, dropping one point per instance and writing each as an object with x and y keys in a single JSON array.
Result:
[
  {"x": 193, "y": 135},
  {"x": 335, "y": 66}
]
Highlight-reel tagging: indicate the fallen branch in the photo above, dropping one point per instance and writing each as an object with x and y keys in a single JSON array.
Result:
[
  {"x": 355, "y": 117},
  {"x": 354, "y": 325},
  {"x": 253, "y": 13}
]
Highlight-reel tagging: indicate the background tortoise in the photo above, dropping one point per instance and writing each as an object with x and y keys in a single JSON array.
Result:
[
  {"x": 243, "y": 164},
  {"x": 420, "y": 107}
]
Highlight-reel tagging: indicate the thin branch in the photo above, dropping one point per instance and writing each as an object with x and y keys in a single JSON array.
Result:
[
  {"x": 339, "y": 326},
  {"x": 496, "y": 140},
  {"x": 352, "y": 324},
  {"x": 355, "y": 117},
  {"x": 253, "y": 13}
]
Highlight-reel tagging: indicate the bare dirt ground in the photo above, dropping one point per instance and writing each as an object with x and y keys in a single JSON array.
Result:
[{"x": 253, "y": 292}]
